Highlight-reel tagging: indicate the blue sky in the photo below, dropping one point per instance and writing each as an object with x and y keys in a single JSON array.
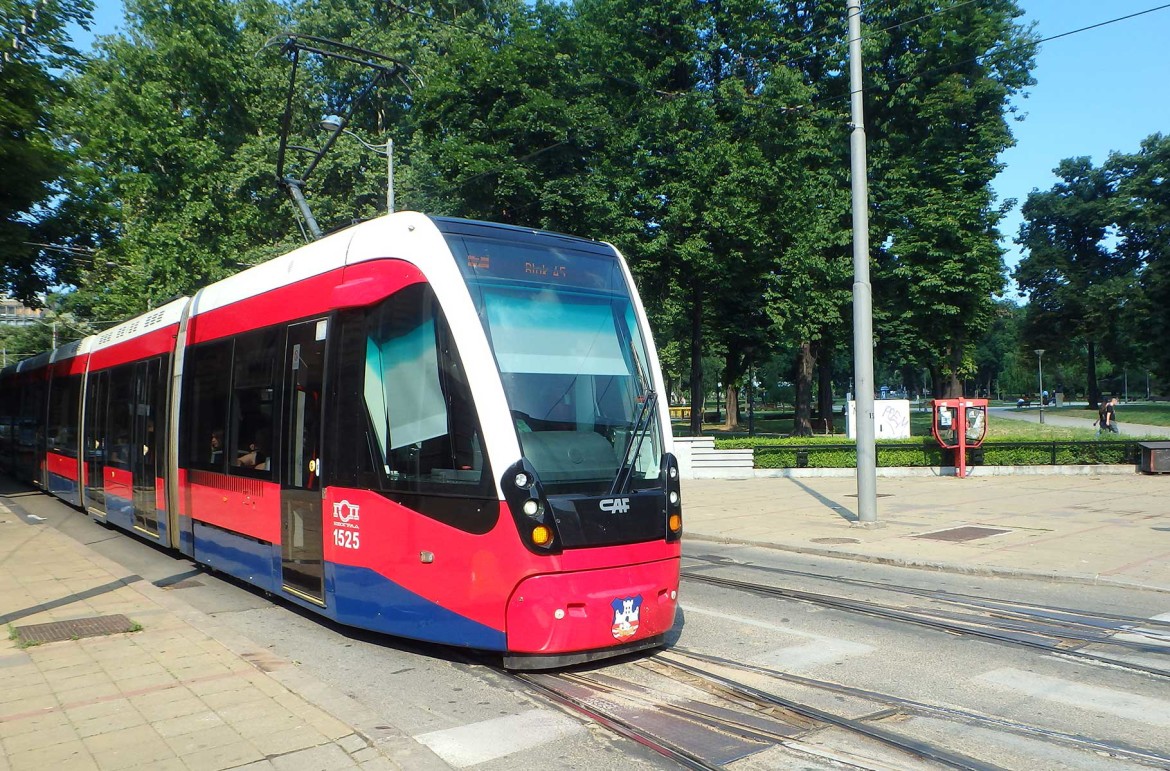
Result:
[{"x": 1098, "y": 91}]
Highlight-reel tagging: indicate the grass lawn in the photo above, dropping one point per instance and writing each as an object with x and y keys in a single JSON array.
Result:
[
  {"x": 1002, "y": 430},
  {"x": 1145, "y": 413},
  {"x": 997, "y": 430}
]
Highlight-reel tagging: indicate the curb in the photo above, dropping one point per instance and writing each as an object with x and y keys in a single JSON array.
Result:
[{"x": 941, "y": 567}]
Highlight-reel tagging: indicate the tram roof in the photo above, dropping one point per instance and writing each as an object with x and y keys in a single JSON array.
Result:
[
  {"x": 140, "y": 325},
  {"x": 70, "y": 350},
  {"x": 532, "y": 236}
]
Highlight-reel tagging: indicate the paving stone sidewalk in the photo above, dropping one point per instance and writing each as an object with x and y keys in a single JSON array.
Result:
[
  {"x": 181, "y": 692},
  {"x": 1105, "y": 527}
]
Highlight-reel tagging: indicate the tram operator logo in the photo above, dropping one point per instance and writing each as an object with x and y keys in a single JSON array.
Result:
[
  {"x": 346, "y": 514},
  {"x": 625, "y": 616},
  {"x": 615, "y": 505}
]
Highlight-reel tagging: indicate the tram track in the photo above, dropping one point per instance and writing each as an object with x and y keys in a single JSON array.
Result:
[
  {"x": 1059, "y": 631},
  {"x": 697, "y": 710},
  {"x": 910, "y": 706},
  {"x": 704, "y": 720}
]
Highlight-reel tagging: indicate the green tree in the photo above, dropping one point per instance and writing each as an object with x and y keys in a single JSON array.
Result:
[
  {"x": 999, "y": 353},
  {"x": 173, "y": 125},
  {"x": 1078, "y": 284},
  {"x": 34, "y": 57},
  {"x": 937, "y": 108},
  {"x": 1142, "y": 212}
]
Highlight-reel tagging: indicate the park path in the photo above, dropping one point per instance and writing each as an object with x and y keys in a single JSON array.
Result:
[{"x": 1032, "y": 415}]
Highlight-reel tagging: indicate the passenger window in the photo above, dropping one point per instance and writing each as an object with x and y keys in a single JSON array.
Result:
[
  {"x": 208, "y": 384},
  {"x": 120, "y": 417},
  {"x": 253, "y": 394}
]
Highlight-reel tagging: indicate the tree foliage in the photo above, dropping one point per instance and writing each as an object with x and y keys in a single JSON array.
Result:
[
  {"x": 708, "y": 139},
  {"x": 35, "y": 57}
]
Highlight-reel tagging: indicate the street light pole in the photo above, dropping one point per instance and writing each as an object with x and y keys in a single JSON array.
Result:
[
  {"x": 862, "y": 291},
  {"x": 1040, "y": 364}
]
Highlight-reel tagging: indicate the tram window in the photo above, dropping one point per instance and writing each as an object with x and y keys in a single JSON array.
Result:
[
  {"x": 253, "y": 389},
  {"x": 417, "y": 440},
  {"x": 6, "y": 404},
  {"x": 205, "y": 405},
  {"x": 95, "y": 422},
  {"x": 423, "y": 428},
  {"x": 120, "y": 416},
  {"x": 63, "y": 404}
]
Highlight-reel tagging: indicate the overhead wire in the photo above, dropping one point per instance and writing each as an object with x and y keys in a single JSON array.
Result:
[{"x": 999, "y": 52}]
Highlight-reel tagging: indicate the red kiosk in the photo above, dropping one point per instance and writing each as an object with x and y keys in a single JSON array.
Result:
[{"x": 959, "y": 424}]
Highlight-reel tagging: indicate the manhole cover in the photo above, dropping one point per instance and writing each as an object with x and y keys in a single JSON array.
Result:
[
  {"x": 835, "y": 540},
  {"x": 57, "y": 631},
  {"x": 956, "y": 534}
]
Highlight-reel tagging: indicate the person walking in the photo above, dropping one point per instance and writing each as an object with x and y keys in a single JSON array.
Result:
[{"x": 1107, "y": 416}]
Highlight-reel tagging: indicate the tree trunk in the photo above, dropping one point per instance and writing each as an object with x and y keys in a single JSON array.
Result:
[
  {"x": 805, "y": 364},
  {"x": 936, "y": 381},
  {"x": 1091, "y": 374},
  {"x": 698, "y": 395},
  {"x": 825, "y": 385},
  {"x": 732, "y": 405},
  {"x": 954, "y": 385}
]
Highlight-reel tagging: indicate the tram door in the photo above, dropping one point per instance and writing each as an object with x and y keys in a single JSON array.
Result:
[
  {"x": 96, "y": 397},
  {"x": 302, "y": 553},
  {"x": 145, "y": 429}
]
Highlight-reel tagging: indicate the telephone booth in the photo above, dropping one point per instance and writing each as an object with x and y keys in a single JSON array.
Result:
[{"x": 959, "y": 425}]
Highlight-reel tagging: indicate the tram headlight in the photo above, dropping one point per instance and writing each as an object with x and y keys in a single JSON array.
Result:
[
  {"x": 532, "y": 507},
  {"x": 672, "y": 472},
  {"x": 541, "y": 535},
  {"x": 674, "y": 522},
  {"x": 673, "y": 497},
  {"x": 522, "y": 480}
]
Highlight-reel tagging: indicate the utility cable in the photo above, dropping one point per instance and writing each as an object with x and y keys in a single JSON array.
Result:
[{"x": 1009, "y": 49}]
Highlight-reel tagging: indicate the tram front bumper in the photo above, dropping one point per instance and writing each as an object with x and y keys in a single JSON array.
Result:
[{"x": 605, "y": 610}]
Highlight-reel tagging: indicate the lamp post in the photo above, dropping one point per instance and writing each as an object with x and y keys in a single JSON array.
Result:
[
  {"x": 333, "y": 123},
  {"x": 1040, "y": 365}
]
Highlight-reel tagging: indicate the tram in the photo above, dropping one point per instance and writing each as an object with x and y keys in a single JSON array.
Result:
[{"x": 439, "y": 429}]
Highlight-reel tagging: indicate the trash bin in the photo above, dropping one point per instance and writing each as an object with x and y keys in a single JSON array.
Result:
[{"x": 1155, "y": 457}]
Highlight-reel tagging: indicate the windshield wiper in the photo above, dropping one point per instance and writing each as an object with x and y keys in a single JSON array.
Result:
[{"x": 621, "y": 482}]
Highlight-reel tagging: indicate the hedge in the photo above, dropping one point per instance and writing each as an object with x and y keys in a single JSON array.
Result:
[{"x": 799, "y": 453}]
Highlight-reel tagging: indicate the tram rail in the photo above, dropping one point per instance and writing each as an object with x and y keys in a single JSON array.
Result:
[
  {"x": 724, "y": 720},
  {"x": 1060, "y": 631},
  {"x": 910, "y": 706}
]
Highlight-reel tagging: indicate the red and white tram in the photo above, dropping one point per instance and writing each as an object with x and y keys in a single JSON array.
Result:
[{"x": 435, "y": 428}]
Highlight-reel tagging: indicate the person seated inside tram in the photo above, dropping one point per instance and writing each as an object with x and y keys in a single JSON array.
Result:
[
  {"x": 252, "y": 458},
  {"x": 216, "y": 447}
]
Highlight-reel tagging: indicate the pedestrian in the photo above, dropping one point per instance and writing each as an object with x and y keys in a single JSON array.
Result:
[{"x": 1107, "y": 416}]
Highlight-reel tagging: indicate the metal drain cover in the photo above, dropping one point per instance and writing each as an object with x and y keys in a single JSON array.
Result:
[
  {"x": 957, "y": 534},
  {"x": 57, "y": 631},
  {"x": 835, "y": 540}
]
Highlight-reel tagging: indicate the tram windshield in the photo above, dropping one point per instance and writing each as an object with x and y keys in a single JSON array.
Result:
[{"x": 572, "y": 359}]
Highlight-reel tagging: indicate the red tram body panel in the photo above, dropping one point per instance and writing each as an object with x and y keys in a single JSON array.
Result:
[{"x": 439, "y": 429}]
